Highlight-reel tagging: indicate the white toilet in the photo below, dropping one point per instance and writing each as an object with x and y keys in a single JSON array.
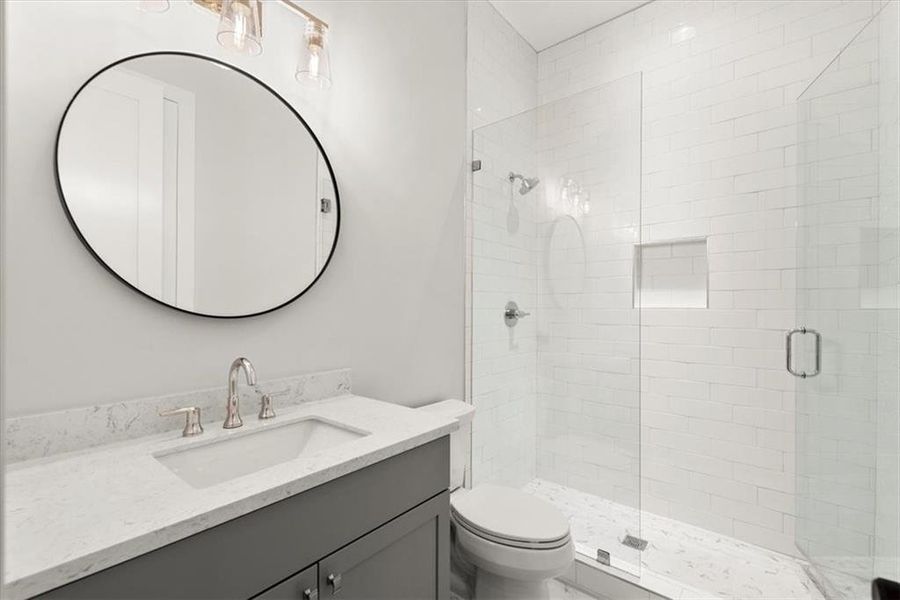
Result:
[{"x": 510, "y": 541}]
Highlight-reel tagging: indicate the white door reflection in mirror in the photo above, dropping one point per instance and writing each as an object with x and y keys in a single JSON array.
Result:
[{"x": 124, "y": 187}]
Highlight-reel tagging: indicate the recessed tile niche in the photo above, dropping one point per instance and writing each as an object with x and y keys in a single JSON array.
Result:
[{"x": 671, "y": 274}]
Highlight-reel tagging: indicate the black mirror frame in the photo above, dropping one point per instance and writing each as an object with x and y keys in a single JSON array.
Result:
[{"x": 87, "y": 245}]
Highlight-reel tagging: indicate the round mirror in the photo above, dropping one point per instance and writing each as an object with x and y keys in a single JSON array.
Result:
[{"x": 197, "y": 185}]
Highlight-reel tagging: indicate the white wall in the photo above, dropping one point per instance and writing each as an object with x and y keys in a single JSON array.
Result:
[
  {"x": 390, "y": 305},
  {"x": 720, "y": 80}
]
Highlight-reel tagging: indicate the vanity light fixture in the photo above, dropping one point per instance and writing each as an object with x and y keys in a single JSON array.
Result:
[
  {"x": 240, "y": 26},
  {"x": 240, "y": 29},
  {"x": 314, "y": 67}
]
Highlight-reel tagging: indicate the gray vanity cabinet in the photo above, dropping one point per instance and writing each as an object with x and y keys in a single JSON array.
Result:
[
  {"x": 382, "y": 532},
  {"x": 394, "y": 562},
  {"x": 302, "y": 586},
  {"x": 397, "y": 561}
]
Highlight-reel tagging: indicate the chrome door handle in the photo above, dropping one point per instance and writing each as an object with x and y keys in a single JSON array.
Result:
[
  {"x": 788, "y": 351},
  {"x": 311, "y": 594}
]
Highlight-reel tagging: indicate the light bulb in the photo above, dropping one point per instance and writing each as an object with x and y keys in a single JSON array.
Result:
[
  {"x": 314, "y": 65},
  {"x": 585, "y": 198},
  {"x": 239, "y": 34},
  {"x": 314, "y": 62}
]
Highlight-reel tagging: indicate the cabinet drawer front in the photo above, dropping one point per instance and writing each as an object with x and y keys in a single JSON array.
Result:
[
  {"x": 302, "y": 586},
  {"x": 406, "y": 559}
]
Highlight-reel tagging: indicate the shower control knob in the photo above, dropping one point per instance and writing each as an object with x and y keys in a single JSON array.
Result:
[{"x": 512, "y": 314}]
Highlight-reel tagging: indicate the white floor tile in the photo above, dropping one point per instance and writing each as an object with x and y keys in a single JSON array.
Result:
[{"x": 681, "y": 560}]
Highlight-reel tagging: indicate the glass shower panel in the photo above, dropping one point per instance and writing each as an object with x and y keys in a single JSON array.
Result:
[
  {"x": 504, "y": 268},
  {"x": 847, "y": 314},
  {"x": 557, "y": 395},
  {"x": 887, "y": 467}
]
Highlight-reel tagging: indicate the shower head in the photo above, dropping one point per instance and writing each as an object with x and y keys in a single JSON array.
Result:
[{"x": 528, "y": 183}]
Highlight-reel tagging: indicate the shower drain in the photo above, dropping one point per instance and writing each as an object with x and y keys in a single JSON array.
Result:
[{"x": 635, "y": 542}]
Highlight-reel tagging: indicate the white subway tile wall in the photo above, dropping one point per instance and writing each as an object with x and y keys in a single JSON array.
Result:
[
  {"x": 838, "y": 219},
  {"x": 847, "y": 282},
  {"x": 588, "y": 363},
  {"x": 502, "y": 82},
  {"x": 504, "y": 269},
  {"x": 887, "y": 510},
  {"x": 720, "y": 83},
  {"x": 671, "y": 274},
  {"x": 718, "y": 162}
]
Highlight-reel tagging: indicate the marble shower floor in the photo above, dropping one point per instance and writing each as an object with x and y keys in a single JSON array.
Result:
[{"x": 681, "y": 560}]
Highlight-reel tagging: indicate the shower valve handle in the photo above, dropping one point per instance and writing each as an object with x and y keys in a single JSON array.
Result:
[{"x": 512, "y": 314}]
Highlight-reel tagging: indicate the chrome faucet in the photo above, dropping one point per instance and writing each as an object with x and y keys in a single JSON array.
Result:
[{"x": 232, "y": 408}]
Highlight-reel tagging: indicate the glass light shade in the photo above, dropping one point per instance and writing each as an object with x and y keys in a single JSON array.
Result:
[
  {"x": 314, "y": 66},
  {"x": 586, "y": 203},
  {"x": 153, "y": 6},
  {"x": 240, "y": 26},
  {"x": 574, "y": 198}
]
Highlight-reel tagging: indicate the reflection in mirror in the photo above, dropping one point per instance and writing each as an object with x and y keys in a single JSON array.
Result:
[{"x": 197, "y": 185}]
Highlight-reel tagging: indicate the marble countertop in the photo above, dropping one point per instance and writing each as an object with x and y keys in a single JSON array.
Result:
[{"x": 74, "y": 514}]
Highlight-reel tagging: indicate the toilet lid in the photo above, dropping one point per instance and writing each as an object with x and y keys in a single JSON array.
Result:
[{"x": 511, "y": 516}]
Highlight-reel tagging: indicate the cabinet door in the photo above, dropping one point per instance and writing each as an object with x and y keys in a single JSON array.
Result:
[
  {"x": 302, "y": 586},
  {"x": 408, "y": 558}
]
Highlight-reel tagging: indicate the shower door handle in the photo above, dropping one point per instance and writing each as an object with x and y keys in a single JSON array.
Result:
[{"x": 788, "y": 351}]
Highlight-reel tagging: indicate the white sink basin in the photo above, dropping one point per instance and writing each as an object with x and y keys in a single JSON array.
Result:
[{"x": 244, "y": 453}]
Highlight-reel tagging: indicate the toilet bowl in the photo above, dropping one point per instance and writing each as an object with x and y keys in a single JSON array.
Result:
[
  {"x": 507, "y": 544},
  {"x": 516, "y": 542}
]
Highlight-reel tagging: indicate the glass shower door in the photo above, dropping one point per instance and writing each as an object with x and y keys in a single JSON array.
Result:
[
  {"x": 845, "y": 348},
  {"x": 555, "y": 220}
]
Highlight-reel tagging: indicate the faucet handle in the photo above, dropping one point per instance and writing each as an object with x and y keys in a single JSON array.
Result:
[
  {"x": 192, "y": 424},
  {"x": 265, "y": 407},
  {"x": 265, "y": 403}
]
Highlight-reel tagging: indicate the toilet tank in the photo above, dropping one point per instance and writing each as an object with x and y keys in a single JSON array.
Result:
[{"x": 460, "y": 440}]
